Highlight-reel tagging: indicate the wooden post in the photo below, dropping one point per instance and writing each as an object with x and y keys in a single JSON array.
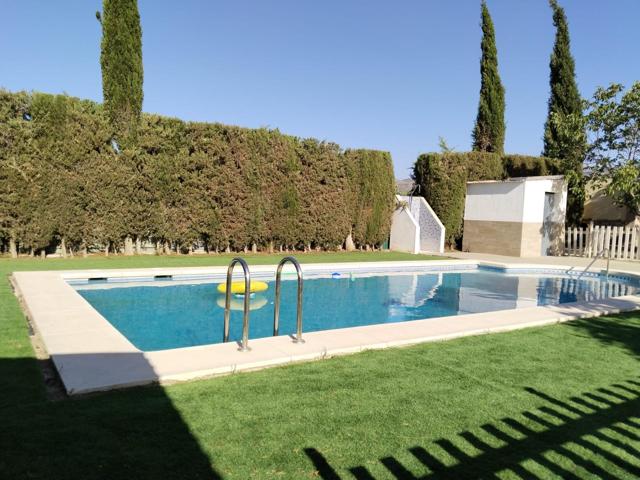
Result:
[
  {"x": 612, "y": 245},
  {"x": 619, "y": 245},
  {"x": 580, "y": 240},
  {"x": 627, "y": 235}
]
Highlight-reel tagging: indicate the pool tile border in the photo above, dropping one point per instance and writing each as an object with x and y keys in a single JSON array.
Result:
[{"x": 91, "y": 355}]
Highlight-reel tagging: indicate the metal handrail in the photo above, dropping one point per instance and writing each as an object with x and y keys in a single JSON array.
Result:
[
  {"x": 598, "y": 255},
  {"x": 244, "y": 345},
  {"x": 276, "y": 310},
  {"x": 414, "y": 190}
]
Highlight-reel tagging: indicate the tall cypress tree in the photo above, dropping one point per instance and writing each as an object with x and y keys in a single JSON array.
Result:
[
  {"x": 488, "y": 133},
  {"x": 121, "y": 62},
  {"x": 564, "y": 130}
]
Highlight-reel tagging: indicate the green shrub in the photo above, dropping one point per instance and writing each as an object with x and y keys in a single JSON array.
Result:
[{"x": 182, "y": 184}]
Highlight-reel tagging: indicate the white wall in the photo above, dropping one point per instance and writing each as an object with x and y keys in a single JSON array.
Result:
[
  {"x": 534, "y": 200},
  {"x": 405, "y": 232},
  {"x": 494, "y": 201},
  {"x": 514, "y": 201},
  {"x": 430, "y": 231}
]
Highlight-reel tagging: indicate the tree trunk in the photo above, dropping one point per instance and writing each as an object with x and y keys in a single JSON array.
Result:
[
  {"x": 167, "y": 248},
  {"x": 270, "y": 246},
  {"x": 348, "y": 243},
  {"x": 138, "y": 245},
  {"x": 13, "y": 247},
  {"x": 63, "y": 247},
  {"x": 106, "y": 249},
  {"x": 128, "y": 245},
  {"x": 254, "y": 248},
  {"x": 43, "y": 253}
]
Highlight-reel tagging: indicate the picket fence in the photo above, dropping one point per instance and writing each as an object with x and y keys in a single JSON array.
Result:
[{"x": 622, "y": 242}]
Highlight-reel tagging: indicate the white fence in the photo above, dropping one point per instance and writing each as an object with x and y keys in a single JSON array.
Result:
[{"x": 622, "y": 242}]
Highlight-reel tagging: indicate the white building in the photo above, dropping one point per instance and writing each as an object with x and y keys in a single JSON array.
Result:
[{"x": 522, "y": 217}]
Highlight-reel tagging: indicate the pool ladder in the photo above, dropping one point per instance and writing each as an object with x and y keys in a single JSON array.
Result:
[
  {"x": 244, "y": 344},
  {"x": 601, "y": 253}
]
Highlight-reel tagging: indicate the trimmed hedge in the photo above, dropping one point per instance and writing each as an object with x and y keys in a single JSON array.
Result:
[
  {"x": 372, "y": 187},
  {"x": 183, "y": 184},
  {"x": 443, "y": 178},
  {"x": 525, "y": 166}
]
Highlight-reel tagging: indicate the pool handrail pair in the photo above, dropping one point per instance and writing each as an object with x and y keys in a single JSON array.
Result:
[{"x": 244, "y": 344}]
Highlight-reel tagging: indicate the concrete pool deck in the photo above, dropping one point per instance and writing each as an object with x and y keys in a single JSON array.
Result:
[{"x": 92, "y": 355}]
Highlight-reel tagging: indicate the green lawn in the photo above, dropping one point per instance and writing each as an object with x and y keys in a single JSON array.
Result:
[{"x": 559, "y": 401}]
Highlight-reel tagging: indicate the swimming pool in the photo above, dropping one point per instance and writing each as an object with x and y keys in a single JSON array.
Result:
[{"x": 161, "y": 313}]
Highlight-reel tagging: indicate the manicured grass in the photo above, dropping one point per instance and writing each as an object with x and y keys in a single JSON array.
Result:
[{"x": 538, "y": 403}]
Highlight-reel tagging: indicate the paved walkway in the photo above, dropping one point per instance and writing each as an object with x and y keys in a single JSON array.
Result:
[{"x": 626, "y": 265}]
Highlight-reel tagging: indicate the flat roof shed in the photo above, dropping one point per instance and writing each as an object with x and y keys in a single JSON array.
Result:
[{"x": 521, "y": 217}]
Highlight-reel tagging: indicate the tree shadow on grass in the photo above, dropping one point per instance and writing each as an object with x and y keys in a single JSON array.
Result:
[
  {"x": 621, "y": 331},
  {"x": 135, "y": 433},
  {"x": 593, "y": 435}
]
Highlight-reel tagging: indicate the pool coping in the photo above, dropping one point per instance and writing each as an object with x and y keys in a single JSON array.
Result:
[{"x": 91, "y": 355}]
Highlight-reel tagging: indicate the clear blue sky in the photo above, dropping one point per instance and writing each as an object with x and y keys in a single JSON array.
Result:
[{"x": 363, "y": 73}]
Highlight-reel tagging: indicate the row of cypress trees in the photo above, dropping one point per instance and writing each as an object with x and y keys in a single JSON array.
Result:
[{"x": 564, "y": 130}]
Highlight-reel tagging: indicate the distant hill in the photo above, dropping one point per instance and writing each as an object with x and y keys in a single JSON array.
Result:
[{"x": 403, "y": 187}]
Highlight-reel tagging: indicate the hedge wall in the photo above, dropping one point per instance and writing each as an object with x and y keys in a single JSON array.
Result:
[
  {"x": 442, "y": 178},
  {"x": 525, "y": 166},
  {"x": 183, "y": 184},
  {"x": 372, "y": 185}
]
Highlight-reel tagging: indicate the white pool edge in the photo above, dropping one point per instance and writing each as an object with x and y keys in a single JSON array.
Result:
[{"x": 92, "y": 355}]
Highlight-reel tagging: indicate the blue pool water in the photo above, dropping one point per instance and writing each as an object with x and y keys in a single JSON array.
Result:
[{"x": 165, "y": 315}]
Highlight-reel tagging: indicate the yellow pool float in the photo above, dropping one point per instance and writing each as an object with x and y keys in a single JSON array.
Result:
[{"x": 238, "y": 287}]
